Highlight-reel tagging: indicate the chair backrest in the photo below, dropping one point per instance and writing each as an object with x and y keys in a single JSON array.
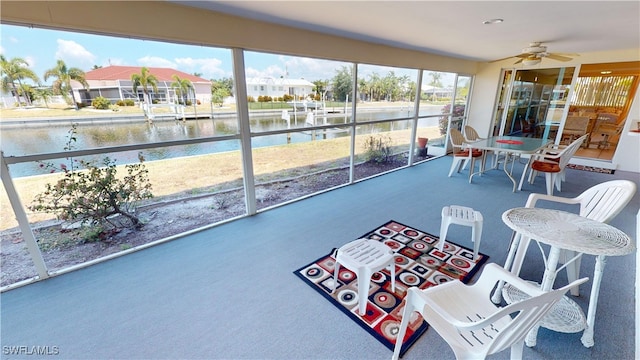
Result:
[
  {"x": 456, "y": 138},
  {"x": 577, "y": 123},
  {"x": 604, "y": 201},
  {"x": 567, "y": 153},
  {"x": 529, "y": 312},
  {"x": 470, "y": 133}
]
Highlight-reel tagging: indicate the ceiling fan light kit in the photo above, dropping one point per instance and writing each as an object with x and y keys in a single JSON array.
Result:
[
  {"x": 533, "y": 54},
  {"x": 531, "y": 62}
]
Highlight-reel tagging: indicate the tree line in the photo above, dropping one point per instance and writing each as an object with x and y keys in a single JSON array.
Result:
[{"x": 15, "y": 71}]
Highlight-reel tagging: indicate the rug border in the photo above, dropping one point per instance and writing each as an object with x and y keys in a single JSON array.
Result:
[{"x": 414, "y": 338}]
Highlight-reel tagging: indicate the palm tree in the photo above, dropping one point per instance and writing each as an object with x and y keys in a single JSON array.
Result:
[
  {"x": 64, "y": 75},
  {"x": 14, "y": 70},
  {"x": 144, "y": 80},
  {"x": 184, "y": 86},
  {"x": 43, "y": 93}
]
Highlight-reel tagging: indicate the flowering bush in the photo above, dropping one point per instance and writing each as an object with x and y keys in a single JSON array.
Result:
[
  {"x": 91, "y": 192},
  {"x": 443, "y": 123}
]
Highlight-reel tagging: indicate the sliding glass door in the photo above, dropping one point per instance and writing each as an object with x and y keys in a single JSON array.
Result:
[{"x": 537, "y": 101}]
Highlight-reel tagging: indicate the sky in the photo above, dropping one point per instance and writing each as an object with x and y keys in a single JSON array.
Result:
[{"x": 41, "y": 48}]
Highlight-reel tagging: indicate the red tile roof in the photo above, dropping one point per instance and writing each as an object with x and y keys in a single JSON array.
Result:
[{"x": 124, "y": 73}]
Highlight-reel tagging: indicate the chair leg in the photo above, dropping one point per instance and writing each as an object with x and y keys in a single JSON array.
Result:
[
  {"x": 444, "y": 227},
  {"x": 550, "y": 179},
  {"x": 558, "y": 182},
  {"x": 364, "y": 280},
  {"x": 453, "y": 165},
  {"x": 476, "y": 235},
  {"x": 406, "y": 317},
  {"x": 472, "y": 169},
  {"x": 573, "y": 269},
  {"x": 517, "y": 350}
]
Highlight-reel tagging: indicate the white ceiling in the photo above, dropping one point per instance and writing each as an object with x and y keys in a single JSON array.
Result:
[{"x": 455, "y": 28}]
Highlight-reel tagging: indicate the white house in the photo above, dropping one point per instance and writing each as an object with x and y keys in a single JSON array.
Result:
[{"x": 269, "y": 86}]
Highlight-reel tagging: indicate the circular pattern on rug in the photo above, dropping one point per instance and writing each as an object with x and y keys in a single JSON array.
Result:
[
  {"x": 384, "y": 300},
  {"x": 401, "y": 260},
  {"x": 378, "y": 278},
  {"x": 394, "y": 245},
  {"x": 347, "y": 297},
  {"x": 411, "y": 233},
  {"x": 441, "y": 279},
  {"x": 449, "y": 248},
  {"x": 346, "y": 276},
  {"x": 410, "y": 279},
  {"x": 461, "y": 263},
  {"x": 313, "y": 273},
  {"x": 429, "y": 261},
  {"x": 419, "y": 245},
  {"x": 390, "y": 329},
  {"x": 385, "y": 231}
]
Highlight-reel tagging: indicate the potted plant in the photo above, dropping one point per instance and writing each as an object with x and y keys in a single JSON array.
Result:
[{"x": 422, "y": 146}]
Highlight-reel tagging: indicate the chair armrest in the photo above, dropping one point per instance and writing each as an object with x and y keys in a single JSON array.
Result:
[
  {"x": 534, "y": 197},
  {"x": 491, "y": 275}
]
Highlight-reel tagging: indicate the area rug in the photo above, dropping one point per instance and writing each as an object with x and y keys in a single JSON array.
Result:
[
  {"x": 591, "y": 168},
  {"x": 418, "y": 263}
]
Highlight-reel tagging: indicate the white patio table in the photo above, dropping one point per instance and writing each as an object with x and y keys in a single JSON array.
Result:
[{"x": 564, "y": 230}]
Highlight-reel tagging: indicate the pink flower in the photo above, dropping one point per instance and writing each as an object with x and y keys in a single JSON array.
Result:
[
  {"x": 41, "y": 165},
  {"x": 63, "y": 166}
]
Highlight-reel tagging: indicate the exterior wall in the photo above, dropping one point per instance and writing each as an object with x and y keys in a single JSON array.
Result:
[{"x": 278, "y": 87}]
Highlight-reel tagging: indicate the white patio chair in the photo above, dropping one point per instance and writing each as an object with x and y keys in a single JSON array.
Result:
[
  {"x": 462, "y": 156},
  {"x": 551, "y": 161},
  {"x": 474, "y": 327},
  {"x": 601, "y": 202},
  {"x": 471, "y": 135}
]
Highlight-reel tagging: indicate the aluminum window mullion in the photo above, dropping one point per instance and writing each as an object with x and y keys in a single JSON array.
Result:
[
  {"x": 74, "y": 153},
  {"x": 23, "y": 221},
  {"x": 244, "y": 126},
  {"x": 352, "y": 150},
  {"x": 416, "y": 116}
]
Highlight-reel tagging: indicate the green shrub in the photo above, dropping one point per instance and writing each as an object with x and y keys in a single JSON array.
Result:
[
  {"x": 101, "y": 103},
  {"x": 120, "y": 103},
  {"x": 93, "y": 193},
  {"x": 251, "y": 99},
  {"x": 129, "y": 102},
  {"x": 378, "y": 149}
]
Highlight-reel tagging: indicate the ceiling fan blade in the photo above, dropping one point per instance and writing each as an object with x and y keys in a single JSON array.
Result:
[
  {"x": 508, "y": 57},
  {"x": 522, "y": 56},
  {"x": 559, "y": 57}
]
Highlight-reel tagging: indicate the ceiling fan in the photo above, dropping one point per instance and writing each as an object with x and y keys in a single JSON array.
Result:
[{"x": 534, "y": 53}]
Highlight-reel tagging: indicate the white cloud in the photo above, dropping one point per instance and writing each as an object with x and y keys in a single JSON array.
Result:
[
  {"x": 74, "y": 54},
  {"x": 210, "y": 68},
  {"x": 155, "y": 61},
  {"x": 30, "y": 60}
]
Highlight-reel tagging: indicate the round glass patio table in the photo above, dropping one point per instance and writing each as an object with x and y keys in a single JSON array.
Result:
[{"x": 564, "y": 230}]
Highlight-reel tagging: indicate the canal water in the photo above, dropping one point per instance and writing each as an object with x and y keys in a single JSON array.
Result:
[{"x": 91, "y": 134}]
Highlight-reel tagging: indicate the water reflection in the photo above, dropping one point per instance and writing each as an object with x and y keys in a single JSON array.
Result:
[{"x": 37, "y": 140}]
